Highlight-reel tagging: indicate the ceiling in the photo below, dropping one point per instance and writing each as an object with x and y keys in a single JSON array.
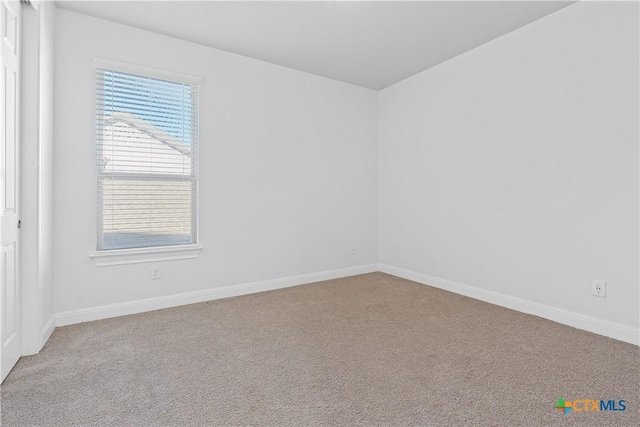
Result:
[{"x": 372, "y": 44}]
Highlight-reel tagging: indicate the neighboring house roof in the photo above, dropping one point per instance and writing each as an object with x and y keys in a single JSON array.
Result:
[
  {"x": 148, "y": 129},
  {"x": 132, "y": 145}
]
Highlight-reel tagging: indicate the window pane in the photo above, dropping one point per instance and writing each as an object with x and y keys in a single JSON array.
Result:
[
  {"x": 146, "y": 160},
  {"x": 146, "y": 213}
]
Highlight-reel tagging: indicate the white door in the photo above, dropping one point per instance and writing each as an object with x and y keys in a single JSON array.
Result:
[{"x": 10, "y": 27}]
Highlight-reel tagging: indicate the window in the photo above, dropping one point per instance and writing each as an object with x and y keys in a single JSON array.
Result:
[{"x": 146, "y": 160}]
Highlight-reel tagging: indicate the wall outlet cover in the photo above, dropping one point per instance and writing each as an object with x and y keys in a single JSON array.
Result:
[{"x": 599, "y": 288}]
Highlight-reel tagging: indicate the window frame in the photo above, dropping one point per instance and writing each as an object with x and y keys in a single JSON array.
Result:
[{"x": 107, "y": 257}]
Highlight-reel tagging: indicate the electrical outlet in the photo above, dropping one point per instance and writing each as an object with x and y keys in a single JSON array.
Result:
[
  {"x": 155, "y": 273},
  {"x": 353, "y": 249},
  {"x": 599, "y": 288}
]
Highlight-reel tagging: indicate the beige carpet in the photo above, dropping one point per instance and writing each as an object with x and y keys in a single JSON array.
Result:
[{"x": 365, "y": 350}]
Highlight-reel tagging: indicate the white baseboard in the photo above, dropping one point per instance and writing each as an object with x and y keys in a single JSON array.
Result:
[
  {"x": 150, "y": 304},
  {"x": 47, "y": 330},
  {"x": 602, "y": 327},
  {"x": 587, "y": 323}
]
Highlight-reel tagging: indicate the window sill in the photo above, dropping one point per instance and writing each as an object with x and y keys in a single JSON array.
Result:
[{"x": 135, "y": 256}]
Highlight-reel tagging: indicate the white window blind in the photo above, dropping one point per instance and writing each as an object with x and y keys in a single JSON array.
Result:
[{"x": 146, "y": 161}]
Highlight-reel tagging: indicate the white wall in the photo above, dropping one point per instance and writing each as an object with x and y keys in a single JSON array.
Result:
[
  {"x": 288, "y": 169},
  {"x": 514, "y": 167}
]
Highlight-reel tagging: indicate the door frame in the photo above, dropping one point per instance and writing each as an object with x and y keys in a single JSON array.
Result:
[
  {"x": 32, "y": 292},
  {"x": 38, "y": 318}
]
